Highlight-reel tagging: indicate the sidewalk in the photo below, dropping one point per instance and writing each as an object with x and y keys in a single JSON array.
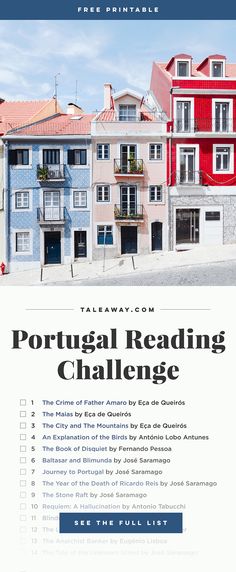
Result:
[{"x": 120, "y": 266}]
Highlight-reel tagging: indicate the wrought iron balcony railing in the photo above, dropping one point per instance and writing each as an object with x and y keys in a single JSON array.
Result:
[
  {"x": 51, "y": 215},
  {"x": 50, "y": 172},
  {"x": 128, "y": 166},
  {"x": 188, "y": 177},
  {"x": 222, "y": 125},
  {"x": 131, "y": 212}
]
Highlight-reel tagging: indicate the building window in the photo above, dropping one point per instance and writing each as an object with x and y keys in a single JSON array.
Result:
[
  {"x": 222, "y": 158},
  {"x": 105, "y": 234},
  {"x": 127, "y": 112},
  {"x": 183, "y": 116},
  {"x": 51, "y": 156},
  {"x": 182, "y": 69},
  {"x": 77, "y": 157},
  {"x": 18, "y": 157},
  {"x": 22, "y": 200},
  {"x": 217, "y": 69},
  {"x": 103, "y": 193},
  {"x": 79, "y": 199},
  {"x": 103, "y": 151},
  {"x": 222, "y": 116},
  {"x": 22, "y": 242},
  {"x": 155, "y": 194},
  {"x": 155, "y": 152},
  {"x": 212, "y": 215}
]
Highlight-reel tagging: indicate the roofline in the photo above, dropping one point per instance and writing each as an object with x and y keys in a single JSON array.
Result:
[
  {"x": 122, "y": 92},
  {"x": 46, "y": 137}
]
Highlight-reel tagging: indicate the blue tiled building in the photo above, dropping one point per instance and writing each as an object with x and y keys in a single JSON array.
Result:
[{"x": 49, "y": 188}]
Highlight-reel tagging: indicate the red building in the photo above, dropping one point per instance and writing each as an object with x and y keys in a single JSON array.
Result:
[{"x": 199, "y": 101}]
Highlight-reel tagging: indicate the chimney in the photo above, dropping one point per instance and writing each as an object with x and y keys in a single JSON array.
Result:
[
  {"x": 73, "y": 109},
  {"x": 107, "y": 95}
]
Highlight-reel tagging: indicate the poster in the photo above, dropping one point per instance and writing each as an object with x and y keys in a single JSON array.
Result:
[{"x": 117, "y": 222}]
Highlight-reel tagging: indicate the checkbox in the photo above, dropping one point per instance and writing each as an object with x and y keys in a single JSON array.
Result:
[
  {"x": 22, "y": 437},
  {"x": 23, "y": 506},
  {"x": 22, "y": 471},
  {"x": 23, "y": 517},
  {"x": 23, "y": 528},
  {"x": 34, "y": 529},
  {"x": 22, "y": 401},
  {"x": 23, "y": 449},
  {"x": 22, "y": 413},
  {"x": 22, "y": 494},
  {"x": 22, "y": 483},
  {"x": 22, "y": 460},
  {"x": 23, "y": 425}
]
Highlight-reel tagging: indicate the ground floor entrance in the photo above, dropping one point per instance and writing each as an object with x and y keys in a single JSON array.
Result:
[
  {"x": 187, "y": 226},
  {"x": 156, "y": 230},
  {"x": 129, "y": 239},
  {"x": 52, "y": 247},
  {"x": 80, "y": 243}
]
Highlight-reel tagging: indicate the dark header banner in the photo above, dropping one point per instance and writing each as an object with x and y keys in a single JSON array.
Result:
[{"x": 126, "y": 10}]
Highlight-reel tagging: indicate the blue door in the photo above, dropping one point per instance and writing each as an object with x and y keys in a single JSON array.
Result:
[{"x": 52, "y": 243}]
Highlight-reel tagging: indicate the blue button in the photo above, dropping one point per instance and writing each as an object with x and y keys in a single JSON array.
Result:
[{"x": 119, "y": 522}]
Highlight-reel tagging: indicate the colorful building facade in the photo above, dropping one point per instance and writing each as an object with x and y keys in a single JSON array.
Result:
[
  {"x": 129, "y": 176},
  {"x": 199, "y": 101},
  {"x": 13, "y": 114},
  {"x": 48, "y": 176}
]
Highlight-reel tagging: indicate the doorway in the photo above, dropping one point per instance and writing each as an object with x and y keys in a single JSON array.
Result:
[
  {"x": 187, "y": 226},
  {"x": 156, "y": 230},
  {"x": 80, "y": 243},
  {"x": 129, "y": 239},
  {"x": 52, "y": 247}
]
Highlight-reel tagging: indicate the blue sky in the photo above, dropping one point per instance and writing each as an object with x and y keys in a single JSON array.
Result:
[{"x": 93, "y": 53}]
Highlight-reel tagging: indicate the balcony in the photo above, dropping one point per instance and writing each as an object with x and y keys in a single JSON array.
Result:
[
  {"x": 188, "y": 178},
  {"x": 128, "y": 167},
  {"x": 50, "y": 173},
  {"x": 128, "y": 212},
  {"x": 51, "y": 215},
  {"x": 201, "y": 125}
]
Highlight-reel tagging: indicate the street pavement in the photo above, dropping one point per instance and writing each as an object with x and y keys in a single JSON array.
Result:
[{"x": 209, "y": 266}]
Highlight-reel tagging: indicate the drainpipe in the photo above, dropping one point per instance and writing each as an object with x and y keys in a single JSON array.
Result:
[
  {"x": 170, "y": 169},
  {"x": 6, "y": 199},
  {"x": 91, "y": 198}
]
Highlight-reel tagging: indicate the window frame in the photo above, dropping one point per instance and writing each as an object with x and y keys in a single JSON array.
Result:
[
  {"x": 100, "y": 225},
  {"x": 157, "y": 188},
  {"x": 21, "y": 208},
  {"x": 79, "y": 191},
  {"x": 22, "y": 148},
  {"x": 213, "y": 62},
  {"x": 103, "y": 200},
  {"x": 231, "y": 159},
  {"x": 126, "y": 117},
  {"x": 179, "y": 62},
  {"x": 18, "y": 231},
  {"x": 162, "y": 153},
  {"x": 103, "y": 158},
  {"x": 222, "y": 100}
]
